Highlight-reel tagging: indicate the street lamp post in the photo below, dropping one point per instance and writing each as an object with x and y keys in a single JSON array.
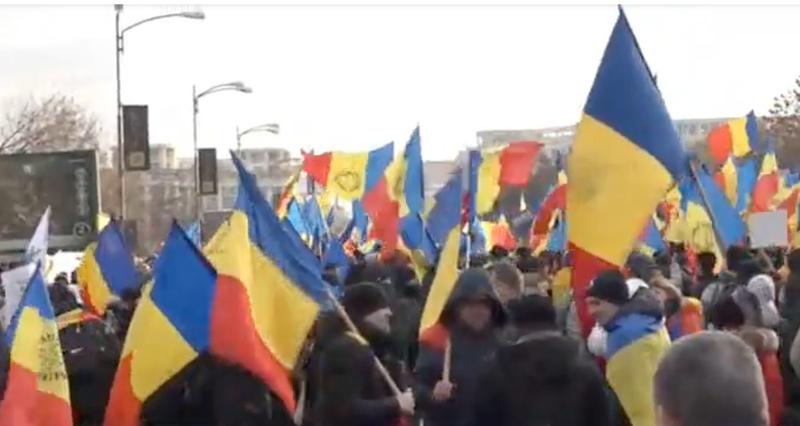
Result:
[
  {"x": 273, "y": 128},
  {"x": 119, "y": 50},
  {"x": 237, "y": 86}
]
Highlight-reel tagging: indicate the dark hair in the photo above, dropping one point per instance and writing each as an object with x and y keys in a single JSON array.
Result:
[
  {"x": 508, "y": 274},
  {"x": 711, "y": 379},
  {"x": 726, "y": 314},
  {"x": 707, "y": 260},
  {"x": 532, "y": 311},
  {"x": 528, "y": 264},
  {"x": 734, "y": 256}
]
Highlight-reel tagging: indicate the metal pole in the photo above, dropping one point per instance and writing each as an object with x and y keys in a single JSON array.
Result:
[
  {"x": 238, "y": 142},
  {"x": 196, "y": 162},
  {"x": 118, "y": 46}
]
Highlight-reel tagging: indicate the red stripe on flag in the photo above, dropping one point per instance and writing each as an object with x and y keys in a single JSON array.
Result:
[
  {"x": 517, "y": 162},
  {"x": 123, "y": 407},
  {"x": 720, "y": 143},
  {"x": 317, "y": 166},
  {"x": 241, "y": 343},
  {"x": 585, "y": 266},
  {"x": 435, "y": 337},
  {"x": 766, "y": 188},
  {"x": 556, "y": 200},
  {"x": 24, "y": 405},
  {"x": 384, "y": 214}
]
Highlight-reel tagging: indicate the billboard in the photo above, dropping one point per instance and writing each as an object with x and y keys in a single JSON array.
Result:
[{"x": 65, "y": 181}]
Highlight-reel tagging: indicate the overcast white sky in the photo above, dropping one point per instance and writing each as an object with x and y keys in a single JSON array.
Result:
[{"x": 355, "y": 77}]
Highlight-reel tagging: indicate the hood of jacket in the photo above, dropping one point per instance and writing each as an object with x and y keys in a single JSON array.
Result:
[
  {"x": 473, "y": 283},
  {"x": 760, "y": 339},
  {"x": 644, "y": 302}
]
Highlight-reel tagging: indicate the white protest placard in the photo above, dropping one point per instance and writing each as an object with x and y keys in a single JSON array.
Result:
[
  {"x": 15, "y": 281},
  {"x": 768, "y": 229}
]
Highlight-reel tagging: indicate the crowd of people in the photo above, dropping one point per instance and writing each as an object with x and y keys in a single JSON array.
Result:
[{"x": 722, "y": 341}]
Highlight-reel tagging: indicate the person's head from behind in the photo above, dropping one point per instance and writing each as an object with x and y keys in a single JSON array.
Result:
[
  {"x": 607, "y": 292},
  {"x": 532, "y": 313},
  {"x": 709, "y": 379},
  {"x": 734, "y": 256},
  {"x": 507, "y": 281},
  {"x": 367, "y": 306},
  {"x": 707, "y": 260}
]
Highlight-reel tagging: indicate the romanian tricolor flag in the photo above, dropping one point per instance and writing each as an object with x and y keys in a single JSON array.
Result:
[
  {"x": 37, "y": 391},
  {"x": 397, "y": 200},
  {"x": 107, "y": 269},
  {"x": 626, "y": 156},
  {"x": 737, "y": 137},
  {"x": 767, "y": 183},
  {"x": 557, "y": 240},
  {"x": 268, "y": 284},
  {"x": 431, "y": 332},
  {"x": 636, "y": 342},
  {"x": 171, "y": 326},
  {"x": 509, "y": 166},
  {"x": 349, "y": 175}
]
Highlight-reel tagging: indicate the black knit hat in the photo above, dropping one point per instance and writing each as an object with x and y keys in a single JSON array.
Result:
[
  {"x": 609, "y": 286},
  {"x": 362, "y": 299}
]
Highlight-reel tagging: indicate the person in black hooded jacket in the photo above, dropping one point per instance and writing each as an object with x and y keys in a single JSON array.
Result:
[
  {"x": 543, "y": 372},
  {"x": 473, "y": 317},
  {"x": 349, "y": 389}
]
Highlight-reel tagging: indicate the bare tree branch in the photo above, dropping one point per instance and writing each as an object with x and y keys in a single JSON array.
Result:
[{"x": 55, "y": 123}]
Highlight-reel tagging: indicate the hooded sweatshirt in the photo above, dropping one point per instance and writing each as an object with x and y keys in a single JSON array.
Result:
[
  {"x": 534, "y": 379},
  {"x": 472, "y": 354}
]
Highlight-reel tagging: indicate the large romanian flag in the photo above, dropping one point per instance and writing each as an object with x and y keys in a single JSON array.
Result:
[
  {"x": 349, "y": 175},
  {"x": 626, "y": 155},
  {"x": 107, "y": 269},
  {"x": 37, "y": 391},
  {"x": 269, "y": 284},
  {"x": 511, "y": 165},
  {"x": 431, "y": 332},
  {"x": 171, "y": 326}
]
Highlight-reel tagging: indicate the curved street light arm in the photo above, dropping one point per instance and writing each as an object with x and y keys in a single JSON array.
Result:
[
  {"x": 188, "y": 15},
  {"x": 269, "y": 127},
  {"x": 238, "y": 86}
]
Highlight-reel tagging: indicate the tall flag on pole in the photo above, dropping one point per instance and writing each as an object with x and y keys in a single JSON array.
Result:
[
  {"x": 37, "y": 391},
  {"x": 431, "y": 332},
  {"x": 348, "y": 175},
  {"x": 107, "y": 269},
  {"x": 626, "y": 156},
  {"x": 268, "y": 284}
]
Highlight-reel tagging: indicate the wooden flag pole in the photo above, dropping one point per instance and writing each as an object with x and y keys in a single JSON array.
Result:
[
  {"x": 352, "y": 327},
  {"x": 448, "y": 352}
]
